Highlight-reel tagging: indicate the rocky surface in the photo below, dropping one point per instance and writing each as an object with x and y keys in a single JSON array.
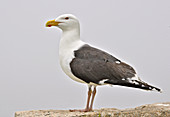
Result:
[{"x": 149, "y": 110}]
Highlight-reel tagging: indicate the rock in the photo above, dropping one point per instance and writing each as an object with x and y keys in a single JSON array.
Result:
[{"x": 149, "y": 110}]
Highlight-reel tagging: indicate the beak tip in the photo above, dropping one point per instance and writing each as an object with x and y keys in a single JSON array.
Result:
[
  {"x": 52, "y": 23},
  {"x": 48, "y": 25}
]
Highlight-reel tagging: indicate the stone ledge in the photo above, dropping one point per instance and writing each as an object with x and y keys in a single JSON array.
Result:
[{"x": 149, "y": 110}]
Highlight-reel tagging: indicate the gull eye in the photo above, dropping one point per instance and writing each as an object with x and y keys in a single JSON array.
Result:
[{"x": 66, "y": 18}]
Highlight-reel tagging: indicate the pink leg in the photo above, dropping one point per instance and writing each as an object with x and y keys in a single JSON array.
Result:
[
  {"x": 94, "y": 93},
  {"x": 88, "y": 101}
]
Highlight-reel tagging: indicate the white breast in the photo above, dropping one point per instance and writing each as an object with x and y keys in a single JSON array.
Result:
[{"x": 66, "y": 54}]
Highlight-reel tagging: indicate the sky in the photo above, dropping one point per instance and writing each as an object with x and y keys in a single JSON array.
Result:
[{"x": 135, "y": 31}]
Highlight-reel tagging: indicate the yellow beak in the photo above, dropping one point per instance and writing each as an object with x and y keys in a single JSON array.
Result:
[{"x": 52, "y": 23}]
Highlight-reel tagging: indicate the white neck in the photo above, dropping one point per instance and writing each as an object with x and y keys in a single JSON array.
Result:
[
  {"x": 70, "y": 41},
  {"x": 70, "y": 36}
]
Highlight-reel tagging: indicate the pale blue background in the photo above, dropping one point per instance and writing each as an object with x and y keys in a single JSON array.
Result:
[{"x": 136, "y": 31}]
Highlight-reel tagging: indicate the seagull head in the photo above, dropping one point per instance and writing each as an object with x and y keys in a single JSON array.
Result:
[{"x": 64, "y": 22}]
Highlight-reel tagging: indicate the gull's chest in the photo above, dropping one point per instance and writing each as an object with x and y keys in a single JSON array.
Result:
[{"x": 66, "y": 55}]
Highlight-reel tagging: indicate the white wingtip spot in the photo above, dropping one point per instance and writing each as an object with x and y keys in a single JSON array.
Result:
[
  {"x": 102, "y": 81},
  {"x": 133, "y": 81},
  {"x": 153, "y": 89},
  {"x": 135, "y": 78},
  {"x": 136, "y": 82}
]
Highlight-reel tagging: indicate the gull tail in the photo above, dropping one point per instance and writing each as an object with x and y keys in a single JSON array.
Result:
[
  {"x": 146, "y": 86},
  {"x": 135, "y": 84}
]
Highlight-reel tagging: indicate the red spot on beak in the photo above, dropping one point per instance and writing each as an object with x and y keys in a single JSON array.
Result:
[{"x": 49, "y": 25}]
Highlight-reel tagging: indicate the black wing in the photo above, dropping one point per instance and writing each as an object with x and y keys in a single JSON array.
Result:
[{"x": 96, "y": 66}]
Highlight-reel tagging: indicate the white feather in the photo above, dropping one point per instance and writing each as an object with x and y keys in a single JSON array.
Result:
[{"x": 102, "y": 81}]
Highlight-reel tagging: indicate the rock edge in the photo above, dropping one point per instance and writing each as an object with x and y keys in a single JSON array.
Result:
[{"x": 148, "y": 110}]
